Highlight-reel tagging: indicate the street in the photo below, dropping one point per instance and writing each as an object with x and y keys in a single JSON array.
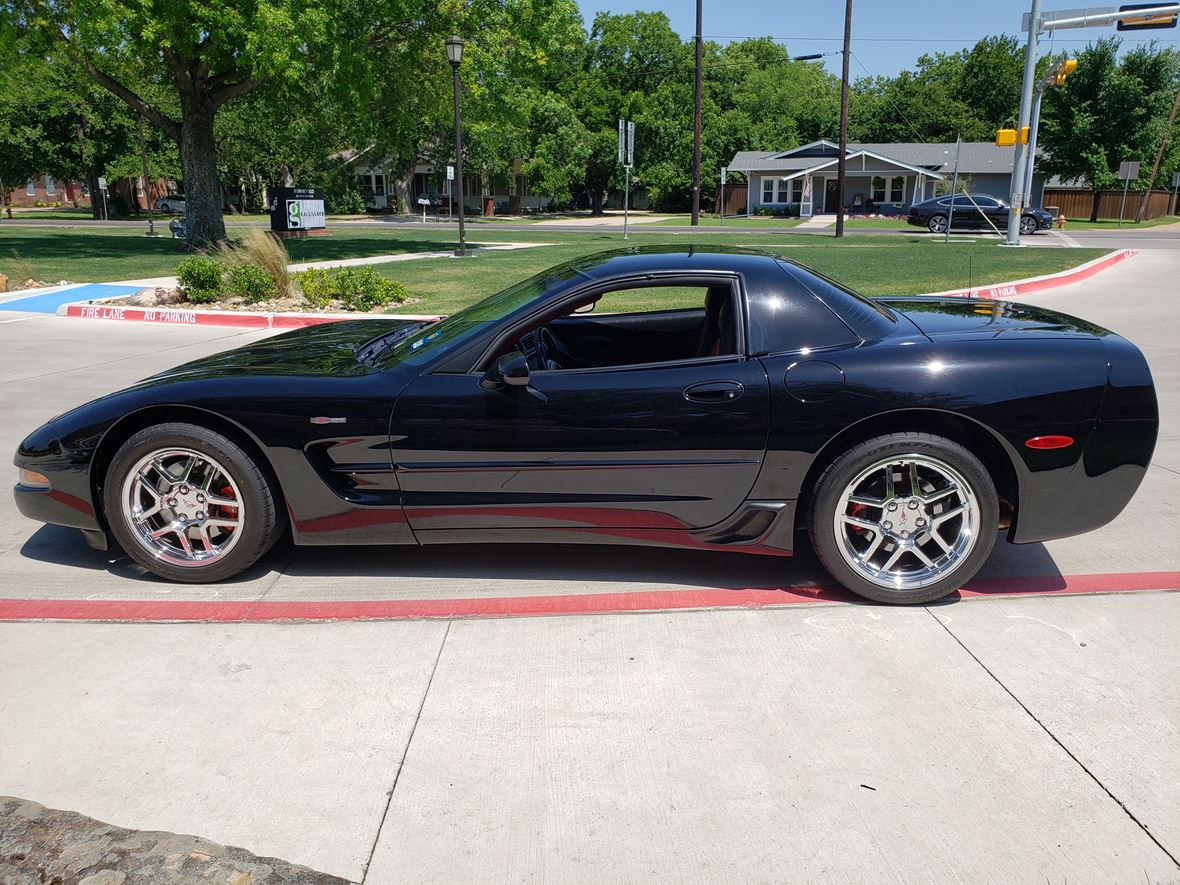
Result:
[{"x": 1011, "y": 736}]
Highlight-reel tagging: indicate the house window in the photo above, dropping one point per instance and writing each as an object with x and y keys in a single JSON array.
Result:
[
  {"x": 768, "y": 190},
  {"x": 31, "y": 188},
  {"x": 797, "y": 190},
  {"x": 365, "y": 184},
  {"x": 888, "y": 189},
  {"x": 379, "y": 184},
  {"x": 49, "y": 185}
]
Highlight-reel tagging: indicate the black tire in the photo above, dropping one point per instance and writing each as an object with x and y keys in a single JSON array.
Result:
[
  {"x": 258, "y": 532},
  {"x": 828, "y": 494},
  {"x": 937, "y": 224}
]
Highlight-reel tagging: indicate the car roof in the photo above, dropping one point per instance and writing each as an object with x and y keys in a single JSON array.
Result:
[{"x": 664, "y": 259}]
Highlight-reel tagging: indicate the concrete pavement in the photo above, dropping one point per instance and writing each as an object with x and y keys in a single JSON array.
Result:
[{"x": 989, "y": 739}]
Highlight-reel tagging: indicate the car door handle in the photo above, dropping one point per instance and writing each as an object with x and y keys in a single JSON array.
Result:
[{"x": 714, "y": 391}]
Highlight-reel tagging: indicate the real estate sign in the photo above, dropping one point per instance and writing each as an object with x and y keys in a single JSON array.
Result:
[{"x": 297, "y": 208}]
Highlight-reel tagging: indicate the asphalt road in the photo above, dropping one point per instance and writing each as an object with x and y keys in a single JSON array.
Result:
[{"x": 996, "y": 738}]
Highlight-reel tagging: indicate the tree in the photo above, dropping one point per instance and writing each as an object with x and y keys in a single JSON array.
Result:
[
  {"x": 179, "y": 62},
  {"x": 1108, "y": 111}
]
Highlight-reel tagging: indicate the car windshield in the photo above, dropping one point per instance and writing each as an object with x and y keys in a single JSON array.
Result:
[{"x": 458, "y": 328}]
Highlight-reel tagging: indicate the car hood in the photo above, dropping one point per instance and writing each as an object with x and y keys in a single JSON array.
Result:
[
  {"x": 324, "y": 351},
  {"x": 943, "y": 318}
]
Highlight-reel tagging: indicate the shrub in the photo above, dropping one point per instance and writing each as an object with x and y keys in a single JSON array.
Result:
[
  {"x": 200, "y": 278},
  {"x": 263, "y": 251},
  {"x": 356, "y": 288},
  {"x": 250, "y": 282},
  {"x": 346, "y": 201}
]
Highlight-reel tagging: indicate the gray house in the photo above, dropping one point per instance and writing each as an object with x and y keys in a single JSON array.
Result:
[{"x": 880, "y": 178}]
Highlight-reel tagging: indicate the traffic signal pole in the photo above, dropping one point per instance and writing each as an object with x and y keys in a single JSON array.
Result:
[{"x": 1020, "y": 158}]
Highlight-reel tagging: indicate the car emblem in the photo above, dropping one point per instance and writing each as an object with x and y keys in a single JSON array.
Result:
[{"x": 321, "y": 419}]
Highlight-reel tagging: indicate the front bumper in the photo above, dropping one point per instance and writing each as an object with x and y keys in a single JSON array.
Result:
[{"x": 56, "y": 507}]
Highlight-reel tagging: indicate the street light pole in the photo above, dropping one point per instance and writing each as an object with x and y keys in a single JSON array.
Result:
[
  {"x": 1026, "y": 95},
  {"x": 696, "y": 129},
  {"x": 455, "y": 56},
  {"x": 842, "y": 161}
]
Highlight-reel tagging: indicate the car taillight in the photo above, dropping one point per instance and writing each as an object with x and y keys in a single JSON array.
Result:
[{"x": 30, "y": 479}]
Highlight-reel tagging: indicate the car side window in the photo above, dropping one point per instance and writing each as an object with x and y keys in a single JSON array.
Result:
[{"x": 638, "y": 325}]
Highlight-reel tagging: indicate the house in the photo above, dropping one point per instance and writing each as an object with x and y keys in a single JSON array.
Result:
[
  {"x": 377, "y": 180},
  {"x": 44, "y": 191},
  {"x": 880, "y": 178}
]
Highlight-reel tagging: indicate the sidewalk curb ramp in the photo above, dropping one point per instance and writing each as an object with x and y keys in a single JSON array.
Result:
[{"x": 257, "y": 320}]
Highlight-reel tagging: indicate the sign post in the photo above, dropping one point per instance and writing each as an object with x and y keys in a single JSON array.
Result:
[
  {"x": 450, "y": 178},
  {"x": 627, "y": 158},
  {"x": 1128, "y": 172}
]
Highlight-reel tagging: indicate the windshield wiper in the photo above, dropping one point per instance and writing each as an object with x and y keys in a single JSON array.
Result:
[{"x": 369, "y": 351}]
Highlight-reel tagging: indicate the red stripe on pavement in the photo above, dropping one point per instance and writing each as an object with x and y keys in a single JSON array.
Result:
[
  {"x": 221, "y": 611},
  {"x": 1039, "y": 284}
]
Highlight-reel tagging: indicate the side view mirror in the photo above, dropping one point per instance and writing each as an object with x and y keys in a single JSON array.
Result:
[{"x": 510, "y": 370}]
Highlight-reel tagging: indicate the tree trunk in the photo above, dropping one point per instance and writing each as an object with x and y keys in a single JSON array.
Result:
[
  {"x": 204, "y": 224},
  {"x": 403, "y": 187},
  {"x": 98, "y": 203},
  {"x": 1094, "y": 205},
  {"x": 596, "y": 194}
]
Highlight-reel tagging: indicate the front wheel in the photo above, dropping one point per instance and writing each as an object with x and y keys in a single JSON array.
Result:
[
  {"x": 189, "y": 504},
  {"x": 1028, "y": 225},
  {"x": 904, "y": 518},
  {"x": 937, "y": 224}
]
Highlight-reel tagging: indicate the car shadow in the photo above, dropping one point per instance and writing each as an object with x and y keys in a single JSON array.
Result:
[{"x": 1011, "y": 569}]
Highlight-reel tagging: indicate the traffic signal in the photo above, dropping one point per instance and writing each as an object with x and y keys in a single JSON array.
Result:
[
  {"x": 1024, "y": 135},
  {"x": 1063, "y": 70},
  {"x": 1005, "y": 137}
]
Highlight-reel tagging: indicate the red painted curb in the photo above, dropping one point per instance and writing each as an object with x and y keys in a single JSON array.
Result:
[
  {"x": 221, "y": 611},
  {"x": 1039, "y": 284},
  {"x": 237, "y": 319}
]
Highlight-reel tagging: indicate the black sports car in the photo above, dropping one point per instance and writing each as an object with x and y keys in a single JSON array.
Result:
[
  {"x": 711, "y": 398},
  {"x": 974, "y": 211}
]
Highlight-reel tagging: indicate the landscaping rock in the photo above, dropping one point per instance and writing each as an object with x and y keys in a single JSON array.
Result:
[
  {"x": 40, "y": 845},
  {"x": 3, "y": 282},
  {"x": 170, "y": 295}
]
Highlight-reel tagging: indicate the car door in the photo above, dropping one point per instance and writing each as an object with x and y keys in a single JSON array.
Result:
[{"x": 656, "y": 447}]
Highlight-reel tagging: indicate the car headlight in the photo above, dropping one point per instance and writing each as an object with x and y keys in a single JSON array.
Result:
[{"x": 31, "y": 479}]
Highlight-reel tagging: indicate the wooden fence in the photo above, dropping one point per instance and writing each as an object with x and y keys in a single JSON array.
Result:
[
  {"x": 1077, "y": 204},
  {"x": 735, "y": 198}
]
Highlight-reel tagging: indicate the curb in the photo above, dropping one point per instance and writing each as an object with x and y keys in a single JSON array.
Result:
[
  {"x": 236, "y": 319},
  {"x": 254, "y": 320},
  {"x": 1041, "y": 283}
]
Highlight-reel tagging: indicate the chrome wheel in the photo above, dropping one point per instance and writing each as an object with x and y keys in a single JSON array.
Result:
[
  {"x": 1028, "y": 225},
  {"x": 905, "y": 522},
  {"x": 937, "y": 224},
  {"x": 182, "y": 506}
]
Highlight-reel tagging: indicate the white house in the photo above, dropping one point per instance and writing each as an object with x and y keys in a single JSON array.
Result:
[{"x": 883, "y": 178}]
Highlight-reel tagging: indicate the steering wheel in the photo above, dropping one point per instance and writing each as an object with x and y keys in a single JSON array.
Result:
[{"x": 555, "y": 355}]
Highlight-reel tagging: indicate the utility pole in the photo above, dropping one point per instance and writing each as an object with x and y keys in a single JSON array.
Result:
[
  {"x": 1026, "y": 94},
  {"x": 1159, "y": 155},
  {"x": 696, "y": 130},
  {"x": 842, "y": 161},
  {"x": 950, "y": 213}
]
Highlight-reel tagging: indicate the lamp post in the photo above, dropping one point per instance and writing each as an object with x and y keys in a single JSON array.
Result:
[{"x": 455, "y": 56}]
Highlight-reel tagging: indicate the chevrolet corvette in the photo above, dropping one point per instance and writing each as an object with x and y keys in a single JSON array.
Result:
[{"x": 705, "y": 398}]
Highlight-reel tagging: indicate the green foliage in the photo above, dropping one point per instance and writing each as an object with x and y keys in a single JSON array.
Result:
[
  {"x": 249, "y": 282},
  {"x": 356, "y": 288},
  {"x": 201, "y": 278}
]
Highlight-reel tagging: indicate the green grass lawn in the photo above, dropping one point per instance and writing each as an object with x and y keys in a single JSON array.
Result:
[
  {"x": 877, "y": 223},
  {"x": 873, "y": 265},
  {"x": 1108, "y": 224}
]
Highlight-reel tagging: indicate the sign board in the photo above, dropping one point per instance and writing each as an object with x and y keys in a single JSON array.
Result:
[
  {"x": 630, "y": 143},
  {"x": 102, "y": 183},
  {"x": 450, "y": 173},
  {"x": 424, "y": 201},
  {"x": 1147, "y": 21},
  {"x": 297, "y": 208},
  {"x": 1176, "y": 179},
  {"x": 1128, "y": 170},
  {"x": 724, "y": 170},
  {"x": 622, "y": 142},
  {"x": 1048, "y": 18}
]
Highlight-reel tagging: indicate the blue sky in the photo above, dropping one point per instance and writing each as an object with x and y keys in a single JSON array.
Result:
[{"x": 886, "y": 36}]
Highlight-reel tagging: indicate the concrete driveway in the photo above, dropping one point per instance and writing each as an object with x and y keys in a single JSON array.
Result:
[{"x": 1006, "y": 738}]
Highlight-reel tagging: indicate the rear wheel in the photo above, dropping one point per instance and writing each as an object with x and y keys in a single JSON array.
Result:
[
  {"x": 189, "y": 504},
  {"x": 904, "y": 518},
  {"x": 1028, "y": 225},
  {"x": 937, "y": 224}
]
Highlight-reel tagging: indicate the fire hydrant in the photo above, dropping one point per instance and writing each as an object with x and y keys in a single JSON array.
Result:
[{"x": 1061, "y": 222}]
